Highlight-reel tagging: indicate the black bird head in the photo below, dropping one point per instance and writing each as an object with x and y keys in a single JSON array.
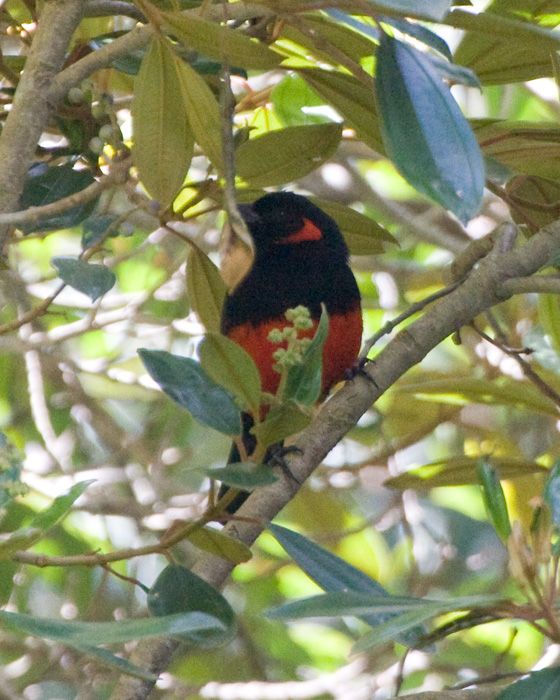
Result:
[{"x": 283, "y": 218}]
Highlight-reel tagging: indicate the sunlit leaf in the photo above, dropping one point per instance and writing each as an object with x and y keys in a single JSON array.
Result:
[
  {"x": 303, "y": 384},
  {"x": 205, "y": 288},
  {"x": 163, "y": 142},
  {"x": 220, "y": 42},
  {"x": 91, "y": 279},
  {"x": 187, "y": 383},
  {"x": 459, "y": 471},
  {"x": 425, "y": 133},
  {"x": 210, "y": 540},
  {"x": 287, "y": 154}
]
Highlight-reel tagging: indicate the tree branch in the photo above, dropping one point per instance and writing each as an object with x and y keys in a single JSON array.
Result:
[
  {"x": 33, "y": 103},
  {"x": 482, "y": 289}
]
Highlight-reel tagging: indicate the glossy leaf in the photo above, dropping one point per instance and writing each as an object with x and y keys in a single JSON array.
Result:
[
  {"x": 210, "y": 540},
  {"x": 287, "y": 154},
  {"x": 228, "y": 364},
  {"x": 47, "y": 185},
  {"x": 333, "y": 574},
  {"x": 246, "y": 476},
  {"x": 177, "y": 591},
  {"x": 303, "y": 384},
  {"x": 220, "y": 42},
  {"x": 494, "y": 499},
  {"x": 538, "y": 685},
  {"x": 425, "y": 133},
  {"x": 353, "y": 100},
  {"x": 206, "y": 289},
  {"x": 459, "y": 471},
  {"x": 363, "y": 235},
  {"x": 163, "y": 141},
  {"x": 281, "y": 422},
  {"x": 88, "y": 278},
  {"x": 187, "y": 383}
]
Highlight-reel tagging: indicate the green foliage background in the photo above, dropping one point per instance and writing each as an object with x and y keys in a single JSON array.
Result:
[{"x": 77, "y": 405}]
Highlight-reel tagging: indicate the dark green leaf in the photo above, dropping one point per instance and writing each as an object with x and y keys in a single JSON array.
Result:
[
  {"x": 303, "y": 384},
  {"x": 178, "y": 591},
  {"x": 287, "y": 154},
  {"x": 93, "y": 280},
  {"x": 246, "y": 476},
  {"x": 187, "y": 383},
  {"x": 430, "y": 9},
  {"x": 334, "y": 574},
  {"x": 10, "y": 470},
  {"x": 95, "y": 227},
  {"x": 52, "y": 184},
  {"x": 494, "y": 499},
  {"x": 538, "y": 685},
  {"x": 425, "y": 134}
]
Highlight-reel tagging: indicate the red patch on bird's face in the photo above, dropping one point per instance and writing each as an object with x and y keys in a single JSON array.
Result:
[{"x": 308, "y": 232}]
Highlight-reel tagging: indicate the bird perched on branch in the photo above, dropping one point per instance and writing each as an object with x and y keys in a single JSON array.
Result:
[{"x": 300, "y": 259}]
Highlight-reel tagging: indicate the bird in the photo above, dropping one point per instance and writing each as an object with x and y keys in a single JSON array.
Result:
[{"x": 300, "y": 259}]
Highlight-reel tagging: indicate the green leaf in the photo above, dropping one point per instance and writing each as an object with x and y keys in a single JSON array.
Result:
[
  {"x": 244, "y": 475},
  {"x": 281, "y": 422},
  {"x": 551, "y": 492},
  {"x": 353, "y": 100},
  {"x": 459, "y": 471},
  {"x": 486, "y": 49},
  {"x": 94, "y": 229},
  {"x": 464, "y": 389},
  {"x": 188, "y": 623},
  {"x": 209, "y": 540},
  {"x": 333, "y": 574},
  {"x": 187, "y": 383},
  {"x": 43, "y": 521},
  {"x": 303, "y": 384},
  {"x": 93, "y": 280},
  {"x": 408, "y": 624},
  {"x": 549, "y": 316},
  {"x": 425, "y": 133},
  {"x": 538, "y": 685},
  {"x": 230, "y": 365},
  {"x": 220, "y": 42},
  {"x": 494, "y": 499},
  {"x": 206, "y": 289},
  {"x": 10, "y": 470},
  {"x": 287, "y": 154},
  {"x": 178, "y": 591},
  {"x": 51, "y": 184},
  {"x": 200, "y": 106},
  {"x": 163, "y": 142},
  {"x": 294, "y": 102},
  {"x": 420, "y": 32},
  {"x": 363, "y": 234},
  {"x": 341, "y": 603}
]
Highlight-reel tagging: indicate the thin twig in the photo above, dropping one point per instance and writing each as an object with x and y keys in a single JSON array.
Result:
[{"x": 413, "y": 309}]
